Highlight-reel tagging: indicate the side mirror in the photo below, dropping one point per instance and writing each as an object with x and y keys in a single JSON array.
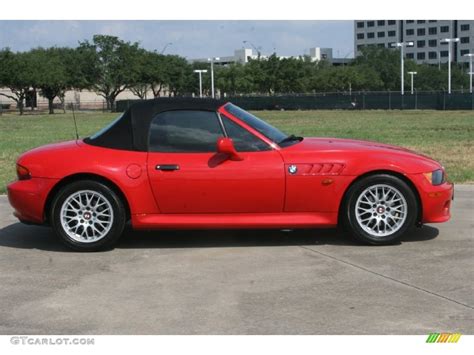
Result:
[{"x": 226, "y": 146}]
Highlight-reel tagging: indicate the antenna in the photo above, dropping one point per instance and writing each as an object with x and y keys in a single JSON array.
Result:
[{"x": 75, "y": 123}]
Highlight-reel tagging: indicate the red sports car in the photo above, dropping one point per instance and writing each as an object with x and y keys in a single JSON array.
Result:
[{"x": 202, "y": 163}]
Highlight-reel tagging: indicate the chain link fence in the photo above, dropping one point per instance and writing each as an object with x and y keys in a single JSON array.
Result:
[
  {"x": 359, "y": 101},
  {"x": 386, "y": 100}
]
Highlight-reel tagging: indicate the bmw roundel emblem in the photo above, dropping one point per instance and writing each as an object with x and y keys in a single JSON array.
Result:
[{"x": 292, "y": 169}]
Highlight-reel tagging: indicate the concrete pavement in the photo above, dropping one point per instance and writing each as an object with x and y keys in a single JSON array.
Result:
[{"x": 240, "y": 282}]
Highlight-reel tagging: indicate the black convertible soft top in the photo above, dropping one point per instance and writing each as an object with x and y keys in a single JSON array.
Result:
[{"x": 130, "y": 130}]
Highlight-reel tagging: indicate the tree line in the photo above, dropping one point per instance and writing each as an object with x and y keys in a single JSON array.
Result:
[{"x": 108, "y": 66}]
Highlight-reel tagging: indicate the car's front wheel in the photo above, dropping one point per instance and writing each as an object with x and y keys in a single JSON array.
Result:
[
  {"x": 88, "y": 216},
  {"x": 379, "y": 209}
]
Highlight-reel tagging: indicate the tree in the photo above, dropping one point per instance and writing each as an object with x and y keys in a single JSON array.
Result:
[
  {"x": 385, "y": 61},
  {"x": 234, "y": 79},
  {"x": 110, "y": 65},
  {"x": 54, "y": 72},
  {"x": 16, "y": 71},
  {"x": 152, "y": 74},
  {"x": 179, "y": 75}
]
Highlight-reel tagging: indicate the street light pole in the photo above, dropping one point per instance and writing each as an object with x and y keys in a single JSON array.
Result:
[
  {"x": 212, "y": 75},
  {"x": 200, "y": 71},
  {"x": 412, "y": 73},
  {"x": 449, "y": 41},
  {"x": 166, "y": 46},
  {"x": 401, "y": 45},
  {"x": 470, "y": 55}
]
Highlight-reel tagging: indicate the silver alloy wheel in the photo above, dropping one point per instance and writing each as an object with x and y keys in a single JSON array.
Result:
[
  {"x": 381, "y": 210},
  {"x": 86, "y": 216}
]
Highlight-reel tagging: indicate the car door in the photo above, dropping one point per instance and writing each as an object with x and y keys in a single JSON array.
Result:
[{"x": 187, "y": 175}]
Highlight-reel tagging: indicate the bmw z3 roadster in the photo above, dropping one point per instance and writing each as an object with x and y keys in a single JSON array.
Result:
[{"x": 201, "y": 163}]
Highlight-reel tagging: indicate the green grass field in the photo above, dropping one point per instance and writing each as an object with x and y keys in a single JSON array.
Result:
[{"x": 447, "y": 136}]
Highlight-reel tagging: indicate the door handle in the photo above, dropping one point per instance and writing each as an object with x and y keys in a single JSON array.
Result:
[{"x": 167, "y": 167}]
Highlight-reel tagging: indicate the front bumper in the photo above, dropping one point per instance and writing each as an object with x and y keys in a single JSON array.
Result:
[
  {"x": 28, "y": 198},
  {"x": 435, "y": 200}
]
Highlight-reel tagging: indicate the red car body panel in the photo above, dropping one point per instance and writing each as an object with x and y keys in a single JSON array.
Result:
[
  {"x": 208, "y": 183},
  {"x": 210, "y": 191}
]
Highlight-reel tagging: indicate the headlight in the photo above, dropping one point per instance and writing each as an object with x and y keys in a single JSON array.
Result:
[{"x": 436, "y": 177}]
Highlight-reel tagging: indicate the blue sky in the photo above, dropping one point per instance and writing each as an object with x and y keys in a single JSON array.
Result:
[{"x": 191, "y": 39}]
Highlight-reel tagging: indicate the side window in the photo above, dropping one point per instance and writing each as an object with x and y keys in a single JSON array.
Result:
[
  {"x": 244, "y": 141},
  {"x": 184, "y": 132}
]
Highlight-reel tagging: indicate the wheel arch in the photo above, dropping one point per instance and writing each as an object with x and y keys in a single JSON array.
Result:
[
  {"x": 397, "y": 174},
  {"x": 78, "y": 177}
]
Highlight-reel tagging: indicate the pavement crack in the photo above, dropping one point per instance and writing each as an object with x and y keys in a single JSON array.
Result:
[{"x": 386, "y": 277}]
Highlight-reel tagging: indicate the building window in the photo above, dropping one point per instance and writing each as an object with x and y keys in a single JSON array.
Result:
[
  {"x": 410, "y": 55},
  {"x": 465, "y": 27},
  {"x": 432, "y": 55},
  {"x": 420, "y": 32},
  {"x": 360, "y": 46},
  {"x": 410, "y": 32},
  {"x": 432, "y": 21},
  {"x": 370, "y": 35},
  {"x": 444, "y": 29},
  {"x": 392, "y": 22},
  {"x": 420, "y": 21},
  {"x": 392, "y": 33},
  {"x": 420, "y": 56},
  {"x": 360, "y": 24},
  {"x": 380, "y": 34},
  {"x": 433, "y": 43},
  {"x": 464, "y": 39},
  {"x": 464, "y": 51},
  {"x": 370, "y": 23},
  {"x": 380, "y": 23},
  {"x": 443, "y": 54},
  {"x": 420, "y": 44},
  {"x": 360, "y": 36},
  {"x": 409, "y": 21},
  {"x": 432, "y": 30},
  {"x": 381, "y": 45}
]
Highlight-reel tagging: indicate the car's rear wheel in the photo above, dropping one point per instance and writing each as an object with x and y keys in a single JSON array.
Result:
[
  {"x": 379, "y": 209},
  {"x": 88, "y": 216}
]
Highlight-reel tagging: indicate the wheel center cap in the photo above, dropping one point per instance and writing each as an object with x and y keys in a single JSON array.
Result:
[
  {"x": 87, "y": 215},
  {"x": 380, "y": 209}
]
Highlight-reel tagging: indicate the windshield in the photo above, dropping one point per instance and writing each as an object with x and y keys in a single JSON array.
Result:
[{"x": 256, "y": 123}]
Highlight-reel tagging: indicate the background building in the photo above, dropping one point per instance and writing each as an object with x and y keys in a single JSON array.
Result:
[
  {"x": 426, "y": 35},
  {"x": 245, "y": 54}
]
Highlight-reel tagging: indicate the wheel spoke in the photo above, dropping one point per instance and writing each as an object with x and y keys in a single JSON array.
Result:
[
  {"x": 86, "y": 216},
  {"x": 381, "y": 210}
]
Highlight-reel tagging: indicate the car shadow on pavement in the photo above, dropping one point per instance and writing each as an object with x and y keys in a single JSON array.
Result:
[{"x": 22, "y": 236}]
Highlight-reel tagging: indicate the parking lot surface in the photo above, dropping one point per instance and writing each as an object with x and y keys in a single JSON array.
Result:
[{"x": 240, "y": 282}]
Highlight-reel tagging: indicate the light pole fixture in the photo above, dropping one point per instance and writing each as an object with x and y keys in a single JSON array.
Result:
[
  {"x": 470, "y": 55},
  {"x": 165, "y": 46},
  {"x": 412, "y": 74},
  {"x": 449, "y": 41},
  {"x": 200, "y": 71},
  {"x": 402, "y": 45},
  {"x": 212, "y": 75}
]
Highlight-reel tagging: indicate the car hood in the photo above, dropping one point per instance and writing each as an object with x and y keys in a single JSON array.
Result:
[
  {"x": 319, "y": 144},
  {"x": 370, "y": 152}
]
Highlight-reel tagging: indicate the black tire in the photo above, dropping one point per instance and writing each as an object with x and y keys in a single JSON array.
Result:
[
  {"x": 118, "y": 218},
  {"x": 355, "y": 227}
]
